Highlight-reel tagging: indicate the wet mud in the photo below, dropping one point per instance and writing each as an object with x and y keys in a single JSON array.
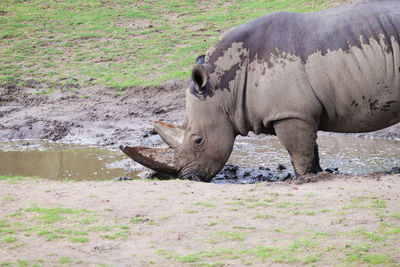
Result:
[
  {"x": 394, "y": 170},
  {"x": 108, "y": 118},
  {"x": 244, "y": 175},
  {"x": 91, "y": 115}
]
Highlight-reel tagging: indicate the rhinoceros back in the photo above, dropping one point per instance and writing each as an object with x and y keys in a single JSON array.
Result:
[
  {"x": 359, "y": 84},
  {"x": 338, "y": 67}
]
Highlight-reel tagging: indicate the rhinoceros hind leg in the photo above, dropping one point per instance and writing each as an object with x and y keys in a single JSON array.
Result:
[{"x": 299, "y": 139}]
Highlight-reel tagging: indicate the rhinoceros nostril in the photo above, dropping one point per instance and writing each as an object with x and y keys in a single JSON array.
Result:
[
  {"x": 192, "y": 175},
  {"x": 194, "y": 178}
]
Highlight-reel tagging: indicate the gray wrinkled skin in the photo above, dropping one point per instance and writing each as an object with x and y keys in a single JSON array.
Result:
[{"x": 291, "y": 75}]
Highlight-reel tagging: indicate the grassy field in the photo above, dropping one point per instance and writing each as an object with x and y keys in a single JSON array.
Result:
[{"x": 119, "y": 43}]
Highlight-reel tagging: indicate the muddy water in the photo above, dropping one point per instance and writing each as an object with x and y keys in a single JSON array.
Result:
[
  {"x": 60, "y": 161},
  {"x": 351, "y": 155},
  {"x": 261, "y": 158}
]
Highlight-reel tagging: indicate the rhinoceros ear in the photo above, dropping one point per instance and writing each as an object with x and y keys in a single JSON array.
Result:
[
  {"x": 199, "y": 77},
  {"x": 201, "y": 59}
]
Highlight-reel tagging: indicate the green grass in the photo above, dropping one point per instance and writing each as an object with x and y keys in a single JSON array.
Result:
[
  {"x": 75, "y": 239},
  {"x": 282, "y": 204},
  {"x": 10, "y": 239},
  {"x": 117, "y": 235},
  {"x": 100, "y": 228},
  {"x": 167, "y": 254},
  {"x": 136, "y": 220},
  {"x": 56, "y": 224},
  {"x": 233, "y": 236},
  {"x": 361, "y": 253},
  {"x": 308, "y": 247},
  {"x": 118, "y": 43},
  {"x": 204, "y": 204},
  {"x": 14, "y": 179},
  {"x": 65, "y": 260},
  {"x": 295, "y": 253},
  {"x": 53, "y": 214},
  {"x": 89, "y": 219},
  {"x": 22, "y": 263},
  {"x": 49, "y": 236},
  {"x": 201, "y": 256}
]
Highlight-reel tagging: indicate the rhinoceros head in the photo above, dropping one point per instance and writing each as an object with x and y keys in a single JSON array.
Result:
[{"x": 199, "y": 149}]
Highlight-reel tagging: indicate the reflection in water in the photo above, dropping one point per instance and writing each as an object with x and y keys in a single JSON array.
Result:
[
  {"x": 350, "y": 154},
  {"x": 60, "y": 162}
]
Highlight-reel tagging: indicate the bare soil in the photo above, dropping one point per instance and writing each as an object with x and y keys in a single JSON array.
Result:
[
  {"x": 95, "y": 115},
  {"x": 337, "y": 221}
]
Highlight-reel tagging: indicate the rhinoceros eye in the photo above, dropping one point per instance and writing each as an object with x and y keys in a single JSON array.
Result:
[{"x": 198, "y": 140}]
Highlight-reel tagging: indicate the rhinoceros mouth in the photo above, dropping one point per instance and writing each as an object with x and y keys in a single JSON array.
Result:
[
  {"x": 162, "y": 160},
  {"x": 192, "y": 175}
]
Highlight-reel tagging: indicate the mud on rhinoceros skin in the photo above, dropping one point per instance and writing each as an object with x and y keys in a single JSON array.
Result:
[{"x": 289, "y": 75}]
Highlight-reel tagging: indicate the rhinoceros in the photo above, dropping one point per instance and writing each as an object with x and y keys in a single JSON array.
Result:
[{"x": 289, "y": 75}]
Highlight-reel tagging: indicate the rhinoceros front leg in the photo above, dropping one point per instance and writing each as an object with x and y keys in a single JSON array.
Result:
[{"x": 299, "y": 139}]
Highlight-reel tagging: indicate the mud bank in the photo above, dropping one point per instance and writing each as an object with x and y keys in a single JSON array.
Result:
[
  {"x": 95, "y": 115},
  {"x": 90, "y": 115}
]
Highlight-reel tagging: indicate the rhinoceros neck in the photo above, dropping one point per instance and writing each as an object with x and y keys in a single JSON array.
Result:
[{"x": 236, "y": 101}]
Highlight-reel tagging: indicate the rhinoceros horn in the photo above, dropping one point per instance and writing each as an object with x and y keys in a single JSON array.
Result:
[
  {"x": 172, "y": 135},
  {"x": 158, "y": 159}
]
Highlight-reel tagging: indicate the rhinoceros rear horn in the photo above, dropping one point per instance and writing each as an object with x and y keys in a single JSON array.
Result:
[
  {"x": 199, "y": 76},
  {"x": 160, "y": 160},
  {"x": 172, "y": 135}
]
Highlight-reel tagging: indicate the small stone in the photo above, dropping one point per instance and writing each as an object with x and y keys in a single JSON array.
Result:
[
  {"x": 394, "y": 170},
  {"x": 158, "y": 110},
  {"x": 281, "y": 167},
  {"x": 332, "y": 170},
  {"x": 122, "y": 178}
]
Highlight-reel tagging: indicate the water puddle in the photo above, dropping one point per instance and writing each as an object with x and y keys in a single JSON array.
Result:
[
  {"x": 350, "y": 154},
  {"x": 261, "y": 158},
  {"x": 61, "y": 161}
]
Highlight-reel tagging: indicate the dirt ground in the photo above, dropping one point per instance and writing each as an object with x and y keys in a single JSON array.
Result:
[
  {"x": 339, "y": 221},
  {"x": 96, "y": 115}
]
